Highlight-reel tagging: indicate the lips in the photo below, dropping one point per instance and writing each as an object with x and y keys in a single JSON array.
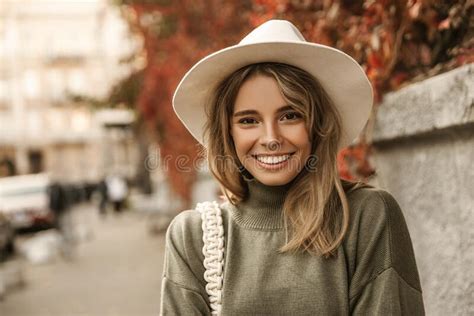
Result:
[
  {"x": 273, "y": 159},
  {"x": 272, "y": 155}
]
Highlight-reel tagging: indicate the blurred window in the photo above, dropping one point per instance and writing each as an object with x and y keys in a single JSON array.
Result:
[
  {"x": 31, "y": 84},
  {"x": 35, "y": 158},
  {"x": 77, "y": 81},
  {"x": 55, "y": 78}
]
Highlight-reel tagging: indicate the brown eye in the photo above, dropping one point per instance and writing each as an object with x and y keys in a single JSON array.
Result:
[
  {"x": 291, "y": 116},
  {"x": 247, "y": 121}
]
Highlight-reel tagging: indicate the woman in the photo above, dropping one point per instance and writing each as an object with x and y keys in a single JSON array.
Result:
[{"x": 272, "y": 113}]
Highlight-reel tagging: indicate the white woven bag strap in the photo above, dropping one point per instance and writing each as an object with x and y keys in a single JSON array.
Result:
[{"x": 213, "y": 250}]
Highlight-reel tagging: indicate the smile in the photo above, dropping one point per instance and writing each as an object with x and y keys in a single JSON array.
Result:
[{"x": 272, "y": 159}]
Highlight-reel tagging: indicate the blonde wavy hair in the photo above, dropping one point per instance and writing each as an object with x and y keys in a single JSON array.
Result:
[{"x": 316, "y": 211}]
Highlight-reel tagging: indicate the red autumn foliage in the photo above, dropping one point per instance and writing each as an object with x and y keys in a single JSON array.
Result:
[
  {"x": 396, "y": 41},
  {"x": 176, "y": 35}
]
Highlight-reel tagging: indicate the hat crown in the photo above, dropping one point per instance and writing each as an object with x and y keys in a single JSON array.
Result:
[{"x": 274, "y": 31}]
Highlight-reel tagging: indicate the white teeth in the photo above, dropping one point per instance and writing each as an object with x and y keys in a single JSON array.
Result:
[{"x": 272, "y": 159}]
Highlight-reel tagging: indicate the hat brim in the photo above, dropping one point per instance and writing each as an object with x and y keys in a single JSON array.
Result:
[{"x": 340, "y": 75}]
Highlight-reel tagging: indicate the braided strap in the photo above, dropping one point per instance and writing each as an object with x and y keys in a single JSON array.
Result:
[{"x": 213, "y": 250}]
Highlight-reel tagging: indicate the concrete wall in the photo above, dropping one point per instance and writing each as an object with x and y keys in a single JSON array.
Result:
[{"x": 424, "y": 153}]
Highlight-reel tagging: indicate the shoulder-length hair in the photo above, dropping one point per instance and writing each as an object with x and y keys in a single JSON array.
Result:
[{"x": 316, "y": 211}]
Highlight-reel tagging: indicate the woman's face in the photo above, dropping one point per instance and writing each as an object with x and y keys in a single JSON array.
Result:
[{"x": 271, "y": 139}]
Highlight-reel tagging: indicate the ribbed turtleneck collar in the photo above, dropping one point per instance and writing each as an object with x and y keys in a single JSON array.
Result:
[{"x": 262, "y": 207}]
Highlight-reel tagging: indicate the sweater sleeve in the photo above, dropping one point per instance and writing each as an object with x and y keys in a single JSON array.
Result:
[
  {"x": 385, "y": 278},
  {"x": 183, "y": 287}
]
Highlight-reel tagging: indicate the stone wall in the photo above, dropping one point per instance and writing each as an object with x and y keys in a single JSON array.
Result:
[{"x": 424, "y": 154}]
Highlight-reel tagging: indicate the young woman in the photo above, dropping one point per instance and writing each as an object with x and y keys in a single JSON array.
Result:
[{"x": 272, "y": 112}]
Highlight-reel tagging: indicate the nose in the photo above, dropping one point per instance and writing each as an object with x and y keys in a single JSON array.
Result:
[{"x": 271, "y": 138}]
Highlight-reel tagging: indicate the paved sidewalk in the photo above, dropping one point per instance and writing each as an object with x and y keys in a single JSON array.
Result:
[{"x": 116, "y": 272}]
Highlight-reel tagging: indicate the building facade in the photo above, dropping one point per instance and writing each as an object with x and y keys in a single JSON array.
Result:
[{"x": 49, "y": 51}]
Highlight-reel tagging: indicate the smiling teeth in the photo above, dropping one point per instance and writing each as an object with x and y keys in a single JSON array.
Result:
[{"x": 272, "y": 159}]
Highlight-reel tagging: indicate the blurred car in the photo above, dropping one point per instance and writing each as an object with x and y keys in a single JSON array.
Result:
[
  {"x": 24, "y": 200},
  {"x": 7, "y": 236}
]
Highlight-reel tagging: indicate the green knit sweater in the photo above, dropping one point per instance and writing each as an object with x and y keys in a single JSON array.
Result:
[{"x": 375, "y": 272}]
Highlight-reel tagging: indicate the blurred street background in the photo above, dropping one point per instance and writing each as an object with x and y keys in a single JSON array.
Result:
[
  {"x": 94, "y": 163},
  {"x": 116, "y": 270}
]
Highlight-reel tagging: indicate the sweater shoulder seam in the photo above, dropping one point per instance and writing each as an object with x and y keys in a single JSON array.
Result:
[
  {"x": 375, "y": 276},
  {"x": 182, "y": 286}
]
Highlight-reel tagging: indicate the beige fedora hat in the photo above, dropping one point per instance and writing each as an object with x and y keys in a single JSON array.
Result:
[{"x": 278, "y": 41}]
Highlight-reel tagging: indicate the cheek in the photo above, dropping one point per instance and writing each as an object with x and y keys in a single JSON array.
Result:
[
  {"x": 243, "y": 141},
  {"x": 298, "y": 136},
  {"x": 243, "y": 144}
]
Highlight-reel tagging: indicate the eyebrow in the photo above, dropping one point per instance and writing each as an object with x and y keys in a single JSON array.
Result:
[{"x": 249, "y": 112}]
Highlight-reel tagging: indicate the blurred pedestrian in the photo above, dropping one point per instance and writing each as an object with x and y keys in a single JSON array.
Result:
[
  {"x": 117, "y": 191},
  {"x": 102, "y": 189},
  {"x": 59, "y": 203}
]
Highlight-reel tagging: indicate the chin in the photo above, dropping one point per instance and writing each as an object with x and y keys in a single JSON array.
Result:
[{"x": 274, "y": 180}]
